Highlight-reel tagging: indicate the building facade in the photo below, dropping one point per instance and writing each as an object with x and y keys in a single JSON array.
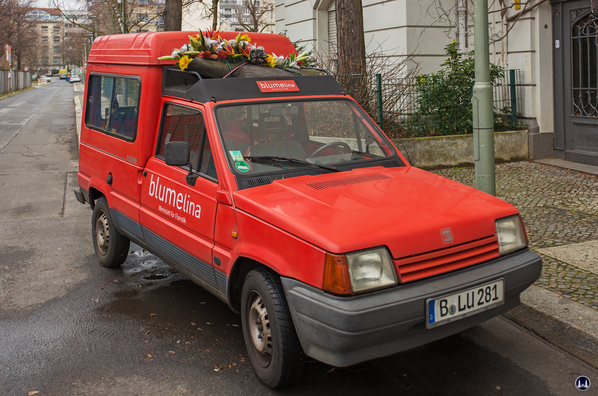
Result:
[
  {"x": 520, "y": 38},
  {"x": 233, "y": 15},
  {"x": 50, "y": 28}
]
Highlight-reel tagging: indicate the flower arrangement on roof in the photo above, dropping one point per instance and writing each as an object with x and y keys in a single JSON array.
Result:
[{"x": 210, "y": 45}]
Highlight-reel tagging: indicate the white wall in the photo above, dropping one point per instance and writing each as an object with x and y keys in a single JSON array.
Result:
[{"x": 401, "y": 27}]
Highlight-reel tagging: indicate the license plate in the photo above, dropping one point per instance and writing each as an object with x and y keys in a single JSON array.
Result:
[{"x": 446, "y": 309}]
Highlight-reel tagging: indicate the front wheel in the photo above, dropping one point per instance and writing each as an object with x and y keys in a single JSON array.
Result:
[
  {"x": 111, "y": 247},
  {"x": 270, "y": 337}
]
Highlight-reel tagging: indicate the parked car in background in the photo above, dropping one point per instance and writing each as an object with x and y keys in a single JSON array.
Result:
[{"x": 75, "y": 79}]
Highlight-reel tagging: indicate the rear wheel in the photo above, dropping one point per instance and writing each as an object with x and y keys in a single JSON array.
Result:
[
  {"x": 111, "y": 247},
  {"x": 270, "y": 337}
]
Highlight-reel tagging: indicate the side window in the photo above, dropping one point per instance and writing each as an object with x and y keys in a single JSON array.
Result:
[
  {"x": 113, "y": 105},
  {"x": 182, "y": 124}
]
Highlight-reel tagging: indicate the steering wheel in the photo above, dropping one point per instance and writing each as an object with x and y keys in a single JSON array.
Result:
[{"x": 337, "y": 145}]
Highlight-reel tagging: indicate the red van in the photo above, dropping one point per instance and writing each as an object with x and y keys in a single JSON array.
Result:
[{"x": 285, "y": 200}]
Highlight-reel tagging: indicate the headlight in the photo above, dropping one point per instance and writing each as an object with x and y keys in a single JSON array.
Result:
[
  {"x": 511, "y": 235},
  {"x": 357, "y": 272}
]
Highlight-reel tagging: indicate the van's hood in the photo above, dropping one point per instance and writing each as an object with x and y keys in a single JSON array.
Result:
[{"x": 403, "y": 208}]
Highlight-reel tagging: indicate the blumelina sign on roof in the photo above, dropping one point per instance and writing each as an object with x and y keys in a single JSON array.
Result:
[{"x": 278, "y": 86}]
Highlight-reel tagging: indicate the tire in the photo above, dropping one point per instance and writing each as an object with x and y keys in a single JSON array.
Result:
[
  {"x": 110, "y": 246},
  {"x": 274, "y": 349}
]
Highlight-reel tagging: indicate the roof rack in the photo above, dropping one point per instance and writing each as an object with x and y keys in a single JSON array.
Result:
[{"x": 190, "y": 85}]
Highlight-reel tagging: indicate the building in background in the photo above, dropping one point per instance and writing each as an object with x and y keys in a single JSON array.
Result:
[
  {"x": 233, "y": 15},
  {"x": 50, "y": 28}
]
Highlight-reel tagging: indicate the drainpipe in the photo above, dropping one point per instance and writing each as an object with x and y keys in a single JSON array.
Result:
[{"x": 483, "y": 118}]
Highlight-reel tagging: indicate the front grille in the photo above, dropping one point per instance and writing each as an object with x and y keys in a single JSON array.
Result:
[{"x": 445, "y": 260}]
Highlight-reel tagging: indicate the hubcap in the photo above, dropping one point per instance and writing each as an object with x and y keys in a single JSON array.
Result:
[
  {"x": 259, "y": 327},
  {"x": 102, "y": 233}
]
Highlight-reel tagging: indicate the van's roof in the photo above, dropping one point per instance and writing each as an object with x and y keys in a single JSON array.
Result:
[{"x": 146, "y": 48}]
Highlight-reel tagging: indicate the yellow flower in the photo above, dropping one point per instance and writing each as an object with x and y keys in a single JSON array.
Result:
[
  {"x": 432, "y": 73},
  {"x": 246, "y": 37},
  {"x": 454, "y": 42},
  {"x": 184, "y": 62},
  {"x": 422, "y": 80},
  {"x": 271, "y": 60}
]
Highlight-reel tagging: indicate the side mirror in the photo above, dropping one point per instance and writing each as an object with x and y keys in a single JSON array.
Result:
[{"x": 177, "y": 153}]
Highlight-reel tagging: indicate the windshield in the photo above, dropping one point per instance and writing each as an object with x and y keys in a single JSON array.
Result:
[{"x": 259, "y": 137}]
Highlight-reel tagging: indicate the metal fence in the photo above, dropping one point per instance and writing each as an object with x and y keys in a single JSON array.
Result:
[
  {"x": 13, "y": 81},
  {"x": 432, "y": 105}
]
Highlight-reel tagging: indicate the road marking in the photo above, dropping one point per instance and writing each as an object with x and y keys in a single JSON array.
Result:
[
  {"x": 18, "y": 104},
  {"x": 4, "y": 110}
]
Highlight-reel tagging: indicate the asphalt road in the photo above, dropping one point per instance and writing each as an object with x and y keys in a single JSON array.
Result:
[{"x": 71, "y": 327}]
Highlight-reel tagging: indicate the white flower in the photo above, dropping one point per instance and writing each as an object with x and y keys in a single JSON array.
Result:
[
  {"x": 279, "y": 60},
  {"x": 211, "y": 42},
  {"x": 184, "y": 48}
]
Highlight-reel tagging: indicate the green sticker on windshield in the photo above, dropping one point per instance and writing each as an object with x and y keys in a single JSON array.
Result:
[
  {"x": 236, "y": 155},
  {"x": 242, "y": 166}
]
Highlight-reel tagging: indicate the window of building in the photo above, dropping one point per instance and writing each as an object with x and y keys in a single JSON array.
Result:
[
  {"x": 44, "y": 39},
  {"x": 56, "y": 48},
  {"x": 56, "y": 29},
  {"x": 44, "y": 28},
  {"x": 113, "y": 105},
  {"x": 56, "y": 60},
  {"x": 45, "y": 60}
]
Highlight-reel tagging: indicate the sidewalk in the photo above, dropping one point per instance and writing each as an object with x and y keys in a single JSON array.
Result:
[{"x": 558, "y": 201}]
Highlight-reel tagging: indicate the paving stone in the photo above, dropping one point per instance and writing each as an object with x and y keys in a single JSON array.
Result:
[{"x": 559, "y": 207}]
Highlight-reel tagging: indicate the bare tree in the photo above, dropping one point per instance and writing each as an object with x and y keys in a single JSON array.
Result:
[
  {"x": 254, "y": 15},
  {"x": 101, "y": 17},
  {"x": 173, "y": 15},
  {"x": 18, "y": 29},
  {"x": 463, "y": 10},
  {"x": 350, "y": 37}
]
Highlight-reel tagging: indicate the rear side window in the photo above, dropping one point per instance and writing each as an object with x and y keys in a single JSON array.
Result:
[
  {"x": 183, "y": 124},
  {"x": 113, "y": 105}
]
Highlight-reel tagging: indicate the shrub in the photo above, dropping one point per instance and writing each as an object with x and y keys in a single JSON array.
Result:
[{"x": 444, "y": 99}]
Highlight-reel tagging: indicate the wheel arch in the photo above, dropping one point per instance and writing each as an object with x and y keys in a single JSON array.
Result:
[
  {"x": 240, "y": 269},
  {"x": 94, "y": 195}
]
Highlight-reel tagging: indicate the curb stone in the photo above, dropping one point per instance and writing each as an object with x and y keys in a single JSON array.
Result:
[{"x": 564, "y": 323}]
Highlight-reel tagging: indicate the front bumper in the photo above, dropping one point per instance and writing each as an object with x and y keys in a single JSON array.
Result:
[{"x": 342, "y": 331}]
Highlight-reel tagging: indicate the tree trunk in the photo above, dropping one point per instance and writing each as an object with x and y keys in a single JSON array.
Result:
[
  {"x": 350, "y": 37},
  {"x": 215, "y": 14},
  {"x": 173, "y": 15}
]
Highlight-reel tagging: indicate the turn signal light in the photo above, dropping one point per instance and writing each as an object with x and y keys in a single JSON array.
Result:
[{"x": 336, "y": 275}]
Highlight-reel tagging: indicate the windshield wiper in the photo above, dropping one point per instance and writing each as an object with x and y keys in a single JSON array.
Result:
[{"x": 276, "y": 159}]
